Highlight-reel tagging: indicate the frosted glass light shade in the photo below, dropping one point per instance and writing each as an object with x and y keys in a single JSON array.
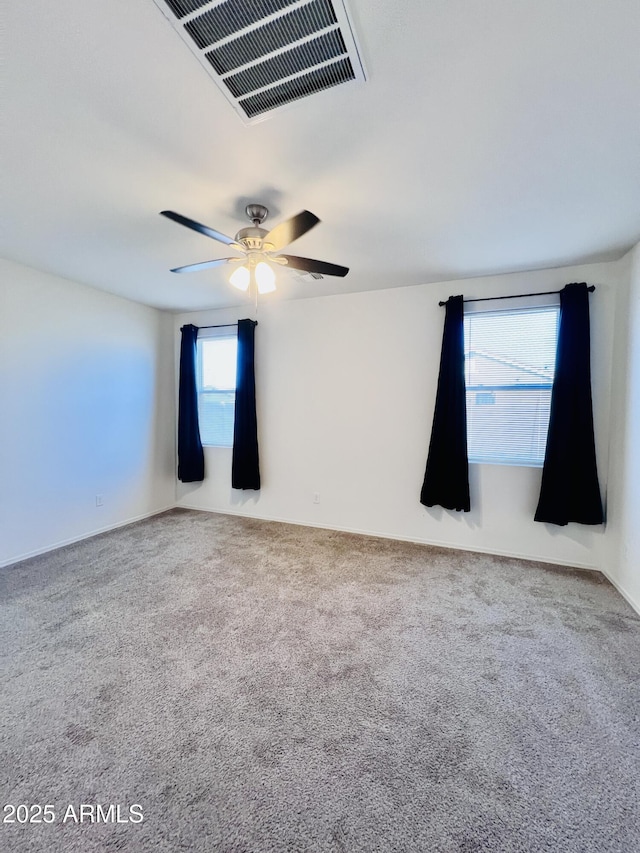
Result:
[
  {"x": 265, "y": 278},
  {"x": 241, "y": 278}
]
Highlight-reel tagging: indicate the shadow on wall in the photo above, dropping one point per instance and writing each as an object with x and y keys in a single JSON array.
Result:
[
  {"x": 236, "y": 497},
  {"x": 187, "y": 489},
  {"x": 241, "y": 498},
  {"x": 578, "y": 533}
]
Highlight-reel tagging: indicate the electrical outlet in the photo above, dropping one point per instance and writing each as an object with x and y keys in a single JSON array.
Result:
[
  {"x": 316, "y": 497},
  {"x": 99, "y": 500}
]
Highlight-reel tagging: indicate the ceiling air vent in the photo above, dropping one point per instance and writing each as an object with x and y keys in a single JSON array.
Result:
[{"x": 265, "y": 54}]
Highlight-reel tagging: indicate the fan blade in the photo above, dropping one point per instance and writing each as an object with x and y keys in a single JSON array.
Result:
[
  {"x": 201, "y": 229},
  {"x": 205, "y": 265},
  {"x": 291, "y": 229},
  {"x": 310, "y": 265}
]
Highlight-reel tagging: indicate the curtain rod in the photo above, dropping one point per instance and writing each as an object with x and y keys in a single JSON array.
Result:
[
  {"x": 591, "y": 288},
  {"x": 220, "y": 326}
]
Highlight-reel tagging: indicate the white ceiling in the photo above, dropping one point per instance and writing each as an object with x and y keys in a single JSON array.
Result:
[{"x": 490, "y": 137}]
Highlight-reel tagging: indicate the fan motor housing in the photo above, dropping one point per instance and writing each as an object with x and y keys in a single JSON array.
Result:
[{"x": 251, "y": 237}]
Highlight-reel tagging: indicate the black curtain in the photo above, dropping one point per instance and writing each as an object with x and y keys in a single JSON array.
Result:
[
  {"x": 190, "y": 455},
  {"x": 570, "y": 490},
  {"x": 245, "y": 470},
  {"x": 446, "y": 479}
]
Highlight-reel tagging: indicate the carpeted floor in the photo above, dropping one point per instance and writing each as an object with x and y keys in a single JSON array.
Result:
[{"x": 264, "y": 687}]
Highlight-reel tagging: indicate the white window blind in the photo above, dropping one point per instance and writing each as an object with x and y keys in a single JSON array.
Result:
[
  {"x": 216, "y": 378},
  {"x": 509, "y": 368}
]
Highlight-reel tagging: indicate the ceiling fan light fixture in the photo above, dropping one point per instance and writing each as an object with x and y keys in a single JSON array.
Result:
[
  {"x": 240, "y": 278},
  {"x": 265, "y": 278},
  {"x": 261, "y": 249}
]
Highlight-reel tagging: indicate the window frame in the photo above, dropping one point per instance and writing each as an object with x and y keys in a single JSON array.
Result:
[
  {"x": 514, "y": 305},
  {"x": 215, "y": 333}
]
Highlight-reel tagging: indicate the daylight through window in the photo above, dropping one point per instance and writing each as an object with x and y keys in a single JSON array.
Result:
[
  {"x": 509, "y": 368},
  {"x": 216, "y": 372}
]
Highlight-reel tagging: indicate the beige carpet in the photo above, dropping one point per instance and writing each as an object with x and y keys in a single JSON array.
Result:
[{"x": 264, "y": 687}]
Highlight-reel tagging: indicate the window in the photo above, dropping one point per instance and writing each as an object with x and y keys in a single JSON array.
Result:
[
  {"x": 509, "y": 367},
  {"x": 216, "y": 378}
]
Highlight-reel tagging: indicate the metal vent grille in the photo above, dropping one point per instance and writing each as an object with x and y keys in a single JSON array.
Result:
[
  {"x": 229, "y": 18},
  {"x": 279, "y": 33},
  {"x": 181, "y": 8},
  {"x": 265, "y": 54},
  {"x": 306, "y": 55},
  {"x": 299, "y": 87}
]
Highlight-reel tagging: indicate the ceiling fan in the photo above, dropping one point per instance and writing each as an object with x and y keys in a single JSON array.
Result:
[{"x": 261, "y": 248}]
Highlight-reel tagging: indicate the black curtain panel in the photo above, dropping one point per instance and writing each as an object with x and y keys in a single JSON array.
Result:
[
  {"x": 190, "y": 455},
  {"x": 446, "y": 479},
  {"x": 570, "y": 490},
  {"x": 245, "y": 470}
]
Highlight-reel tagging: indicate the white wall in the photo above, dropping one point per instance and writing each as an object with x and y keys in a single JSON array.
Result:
[
  {"x": 87, "y": 408},
  {"x": 346, "y": 388},
  {"x": 623, "y": 555}
]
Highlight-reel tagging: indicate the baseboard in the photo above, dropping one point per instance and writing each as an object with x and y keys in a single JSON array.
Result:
[
  {"x": 623, "y": 592},
  {"x": 358, "y": 531},
  {"x": 74, "y": 539},
  {"x": 416, "y": 541}
]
